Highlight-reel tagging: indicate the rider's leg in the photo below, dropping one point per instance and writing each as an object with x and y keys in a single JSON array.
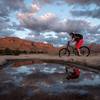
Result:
[
  {"x": 79, "y": 53},
  {"x": 78, "y": 45}
]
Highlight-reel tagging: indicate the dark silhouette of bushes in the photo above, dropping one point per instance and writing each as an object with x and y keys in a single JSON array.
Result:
[
  {"x": 24, "y": 52},
  {"x": 8, "y": 51},
  {"x": 16, "y": 52}
]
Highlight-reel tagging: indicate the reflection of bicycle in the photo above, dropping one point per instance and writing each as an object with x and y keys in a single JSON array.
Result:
[
  {"x": 84, "y": 50},
  {"x": 72, "y": 74}
]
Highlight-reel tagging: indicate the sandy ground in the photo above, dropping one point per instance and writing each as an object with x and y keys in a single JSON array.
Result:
[{"x": 91, "y": 61}]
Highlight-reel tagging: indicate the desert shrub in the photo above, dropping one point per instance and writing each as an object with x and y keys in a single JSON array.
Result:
[
  {"x": 8, "y": 51},
  {"x": 16, "y": 52},
  {"x": 24, "y": 52},
  {"x": 1, "y": 52},
  {"x": 31, "y": 52}
]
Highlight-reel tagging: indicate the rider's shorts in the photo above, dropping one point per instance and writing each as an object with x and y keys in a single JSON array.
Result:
[{"x": 79, "y": 43}]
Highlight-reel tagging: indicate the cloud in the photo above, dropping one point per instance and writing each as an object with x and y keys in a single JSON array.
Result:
[
  {"x": 27, "y": 13},
  {"x": 88, "y": 13},
  {"x": 4, "y": 12},
  {"x": 3, "y": 24},
  {"x": 42, "y": 23},
  {"x": 6, "y": 6},
  {"x": 9, "y": 6},
  {"x": 83, "y": 2},
  {"x": 34, "y": 8},
  {"x": 31, "y": 9},
  {"x": 37, "y": 37},
  {"x": 47, "y": 38},
  {"x": 13, "y": 4},
  {"x": 50, "y": 22},
  {"x": 5, "y": 27},
  {"x": 4, "y": 33},
  {"x": 77, "y": 25},
  {"x": 79, "y": 2},
  {"x": 43, "y": 2}
]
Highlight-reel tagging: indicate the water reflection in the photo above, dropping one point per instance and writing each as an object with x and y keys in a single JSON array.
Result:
[
  {"x": 46, "y": 77},
  {"x": 54, "y": 71}
]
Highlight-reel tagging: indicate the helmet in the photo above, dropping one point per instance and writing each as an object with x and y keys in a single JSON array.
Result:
[{"x": 72, "y": 33}]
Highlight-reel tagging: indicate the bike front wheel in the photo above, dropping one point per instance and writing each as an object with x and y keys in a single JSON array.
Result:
[
  {"x": 64, "y": 52},
  {"x": 85, "y": 51}
]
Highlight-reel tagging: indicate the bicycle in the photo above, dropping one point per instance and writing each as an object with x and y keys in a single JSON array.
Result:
[{"x": 84, "y": 50}]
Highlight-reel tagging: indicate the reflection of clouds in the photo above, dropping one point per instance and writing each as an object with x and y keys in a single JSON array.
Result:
[
  {"x": 24, "y": 70},
  {"x": 97, "y": 76},
  {"x": 90, "y": 82},
  {"x": 48, "y": 70},
  {"x": 53, "y": 70},
  {"x": 54, "y": 88},
  {"x": 89, "y": 78}
]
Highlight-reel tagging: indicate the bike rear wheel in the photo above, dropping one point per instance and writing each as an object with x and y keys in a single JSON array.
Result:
[
  {"x": 85, "y": 51},
  {"x": 64, "y": 52}
]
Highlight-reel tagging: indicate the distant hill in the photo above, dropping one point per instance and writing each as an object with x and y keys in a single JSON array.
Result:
[{"x": 15, "y": 43}]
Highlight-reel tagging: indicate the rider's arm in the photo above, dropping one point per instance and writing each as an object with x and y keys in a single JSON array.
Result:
[{"x": 71, "y": 39}]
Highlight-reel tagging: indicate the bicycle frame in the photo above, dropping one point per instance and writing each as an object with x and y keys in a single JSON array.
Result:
[
  {"x": 68, "y": 44},
  {"x": 74, "y": 50}
]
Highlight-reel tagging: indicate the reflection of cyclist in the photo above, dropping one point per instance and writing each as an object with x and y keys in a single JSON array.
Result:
[
  {"x": 74, "y": 74},
  {"x": 78, "y": 38}
]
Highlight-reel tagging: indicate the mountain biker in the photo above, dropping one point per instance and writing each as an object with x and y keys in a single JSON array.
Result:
[
  {"x": 78, "y": 38},
  {"x": 74, "y": 74}
]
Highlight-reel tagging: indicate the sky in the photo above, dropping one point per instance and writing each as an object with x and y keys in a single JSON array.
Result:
[{"x": 50, "y": 21}]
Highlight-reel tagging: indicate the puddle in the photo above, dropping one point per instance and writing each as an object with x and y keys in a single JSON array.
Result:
[{"x": 46, "y": 78}]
